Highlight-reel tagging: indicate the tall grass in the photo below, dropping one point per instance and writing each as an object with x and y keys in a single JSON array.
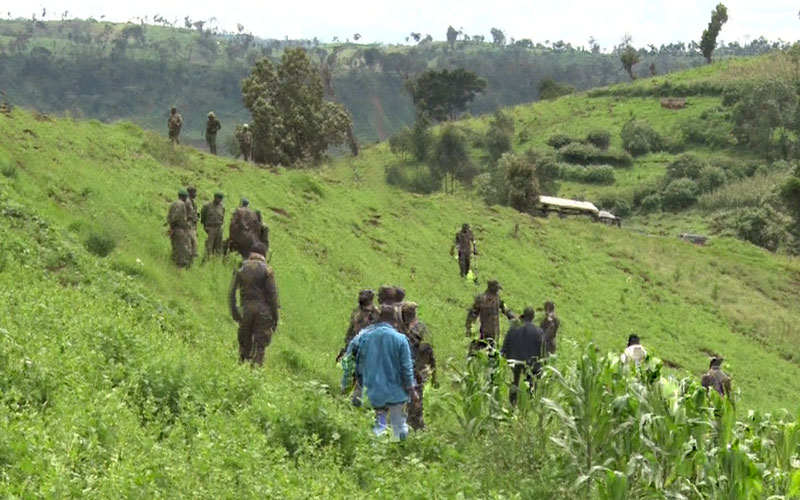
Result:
[{"x": 747, "y": 192}]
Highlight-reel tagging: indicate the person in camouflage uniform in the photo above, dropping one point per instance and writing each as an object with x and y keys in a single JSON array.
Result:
[
  {"x": 487, "y": 307},
  {"x": 362, "y": 316},
  {"x": 263, "y": 230},
  {"x": 212, "y": 215},
  {"x": 549, "y": 326},
  {"x": 191, "y": 214},
  {"x": 245, "y": 138},
  {"x": 212, "y": 127},
  {"x": 392, "y": 295},
  {"x": 258, "y": 292},
  {"x": 717, "y": 379},
  {"x": 424, "y": 361},
  {"x": 465, "y": 242},
  {"x": 180, "y": 231},
  {"x": 174, "y": 124},
  {"x": 244, "y": 229}
]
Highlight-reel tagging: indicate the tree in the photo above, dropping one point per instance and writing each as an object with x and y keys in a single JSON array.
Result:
[
  {"x": 523, "y": 184},
  {"x": 498, "y": 37},
  {"x": 450, "y": 157},
  {"x": 551, "y": 89},
  {"x": 765, "y": 108},
  {"x": 441, "y": 95},
  {"x": 708, "y": 42},
  {"x": 452, "y": 35},
  {"x": 500, "y": 134},
  {"x": 628, "y": 56},
  {"x": 291, "y": 120}
]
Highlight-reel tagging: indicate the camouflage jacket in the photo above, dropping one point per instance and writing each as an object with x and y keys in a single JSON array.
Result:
[
  {"x": 212, "y": 214},
  {"x": 488, "y": 307},
  {"x": 177, "y": 217},
  {"x": 549, "y": 326},
  {"x": 213, "y": 126},
  {"x": 718, "y": 380},
  {"x": 465, "y": 241},
  {"x": 191, "y": 212},
  {"x": 175, "y": 122},
  {"x": 256, "y": 284},
  {"x": 360, "y": 318}
]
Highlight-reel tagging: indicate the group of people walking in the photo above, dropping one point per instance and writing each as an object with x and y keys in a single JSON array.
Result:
[{"x": 244, "y": 136}]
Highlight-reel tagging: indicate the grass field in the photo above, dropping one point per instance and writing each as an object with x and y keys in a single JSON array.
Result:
[{"x": 119, "y": 374}]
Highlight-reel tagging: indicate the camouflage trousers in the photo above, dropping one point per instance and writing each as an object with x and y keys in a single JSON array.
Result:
[
  {"x": 415, "y": 417},
  {"x": 211, "y": 139},
  {"x": 464, "y": 259},
  {"x": 174, "y": 136},
  {"x": 214, "y": 241},
  {"x": 193, "y": 241},
  {"x": 181, "y": 247},
  {"x": 255, "y": 333}
]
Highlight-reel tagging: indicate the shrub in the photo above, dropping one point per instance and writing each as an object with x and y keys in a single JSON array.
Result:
[
  {"x": 547, "y": 170},
  {"x": 9, "y": 171},
  {"x": 416, "y": 179},
  {"x": 400, "y": 142},
  {"x": 558, "y": 141},
  {"x": 600, "y": 174},
  {"x": 651, "y": 203},
  {"x": 712, "y": 129},
  {"x": 551, "y": 89},
  {"x": 639, "y": 138},
  {"x": 522, "y": 181},
  {"x": 710, "y": 178},
  {"x": 762, "y": 226},
  {"x": 686, "y": 165},
  {"x": 100, "y": 244},
  {"x": 500, "y": 135},
  {"x": 599, "y": 138},
  {"x": 679, "y": 194},
  {"x": 585, "y": 154},
  {"x": 622, "y": 208}
]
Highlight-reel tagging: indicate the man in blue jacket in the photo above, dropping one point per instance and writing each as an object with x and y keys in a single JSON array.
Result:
[{"x": 381, "y": 358}]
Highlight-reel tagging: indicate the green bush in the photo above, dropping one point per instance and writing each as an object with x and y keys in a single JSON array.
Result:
[
  {"x": 622, "y": 208},
  {"x": 651, "y": 203},
  {"x": 500, "y": 136},
  {"x": 639, "y": 138},
  {"x": 686, "y": 165},
  {"x": 100, "y": 244},
  {"x": 416, "y": 179},
  {"x": 599, "y": 138},
  {"x": 679, "y": 194},
  {"x": 762, "y": 226},
  {"x": 585, "y": 154},
  {"x": 8, "y": 170},
  {"x": 711, "y": 178},
  {"x": 558, "y": 141},
  {"x": 712, "y": 129},
  {"x": 595, "y": 174}
]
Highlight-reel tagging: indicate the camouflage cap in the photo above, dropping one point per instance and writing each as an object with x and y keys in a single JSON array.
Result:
[
  {"x": 494, "y": 285},
  {"x": 191, "y": 189},
  {"x": 410, "y": 306},
  {"x": 211, "y": 114},
  {"x": 245, "y": 126},
  {"x": 173, "y": 109},
  {"x": 717, "y": 361},
  {"x": 183, "y": 193},
  {"x": 218, "y": 194}
]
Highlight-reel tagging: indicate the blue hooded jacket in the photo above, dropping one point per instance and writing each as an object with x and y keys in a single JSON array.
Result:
[{"x": 383, "y": 362}]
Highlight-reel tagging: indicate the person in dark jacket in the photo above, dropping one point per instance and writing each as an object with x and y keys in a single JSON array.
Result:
[{"x": 523, "y": 347}]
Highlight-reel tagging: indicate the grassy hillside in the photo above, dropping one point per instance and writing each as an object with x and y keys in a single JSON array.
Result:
[{"x": 119, "y": 378}]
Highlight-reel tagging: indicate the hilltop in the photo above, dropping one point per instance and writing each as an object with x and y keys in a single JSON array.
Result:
[
  {"x": 95, "y": 69},
  {"x": 119, "y": 372}
]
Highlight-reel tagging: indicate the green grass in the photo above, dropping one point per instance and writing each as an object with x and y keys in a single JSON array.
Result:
[{"x": 119, "y": 374}]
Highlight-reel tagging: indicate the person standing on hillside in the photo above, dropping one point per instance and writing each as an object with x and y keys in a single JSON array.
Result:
[
  {"x": 180, "y": 231},
  {"x": 263, "y": 230},
  {"x": 212, "y": 127},
  {"x": 245, "y": 138},
  {"x": 174, "y": 124},
  {"x": 487, "y": 307},
  {"x": 381, "y": 358},
  {"x": 212, "y": 215},
  {"x": 258, "y": 292},
  {"x": 465, "y": 242},
  {"x": 391, "y": 295},
  {"x": 635, "y": 352},
  {"x": 191, "y": 214},
  {"x": 424, "y": 361},
  {"x": 522, "y": 347},
  {"x": 717, "y": 379},
  {"x": 364, "y": 315},
  {"x": 549, "y": 326},
  {"x": 244, "y": 229}
]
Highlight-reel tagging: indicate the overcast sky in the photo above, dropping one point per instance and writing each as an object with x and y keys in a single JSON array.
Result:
[{"x": 574, "y": 21}]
